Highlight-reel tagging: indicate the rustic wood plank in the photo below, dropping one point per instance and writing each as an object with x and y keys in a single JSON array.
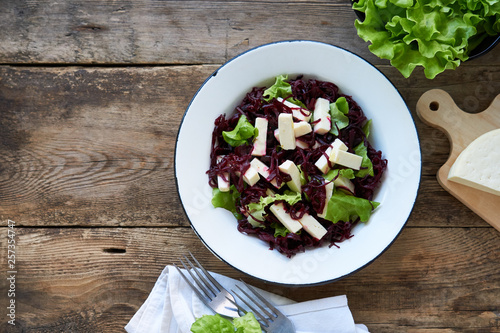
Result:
[
  {"x": 177, "y": 32},
  {"x": 94, "y": 146},
  {"x": 95, "y": 279}
]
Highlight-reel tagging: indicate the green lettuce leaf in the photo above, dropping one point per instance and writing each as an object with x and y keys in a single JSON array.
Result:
[
  {"x": 241, "y": 133},
  {"x": 227, "y": 200},
  {"x": 282, "y": 89},
  {"x": 218, "y": 324},
  {"x": 345, "y": 207},
  {"x": 366, "y": 163},
  {"x": 333, "y": 173},
  {"x": 434, "y": 34},
  {"x": 248, "y": 323},
  {"x": 338, "y": 111},
  {"x": 212, "y": 324},
  {"x": 256, "y": 209}
]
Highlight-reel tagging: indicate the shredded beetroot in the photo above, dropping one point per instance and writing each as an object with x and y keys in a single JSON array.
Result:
[{"x": 231, "y": 163}]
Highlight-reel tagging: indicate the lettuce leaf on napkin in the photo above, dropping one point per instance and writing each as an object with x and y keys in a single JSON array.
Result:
[
  {"x": 435, "y": 34},
  {"x": 217, "y": 324}
]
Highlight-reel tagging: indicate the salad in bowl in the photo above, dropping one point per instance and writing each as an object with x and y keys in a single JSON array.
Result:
[
  {"x": 297, "y": 163},
  {"x": 294, "y": 165}
]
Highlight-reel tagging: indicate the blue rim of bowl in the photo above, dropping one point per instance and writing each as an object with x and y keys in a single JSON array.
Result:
[{"x": 214, "y": 252}]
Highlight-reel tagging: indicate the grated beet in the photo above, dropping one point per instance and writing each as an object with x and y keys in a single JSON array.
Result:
[{"x": 234, "y": 161}]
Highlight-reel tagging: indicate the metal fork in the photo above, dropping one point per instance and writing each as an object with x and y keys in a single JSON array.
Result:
[
  {"x": 209, "y": 290},
  {"x": 270, "y": 318}
]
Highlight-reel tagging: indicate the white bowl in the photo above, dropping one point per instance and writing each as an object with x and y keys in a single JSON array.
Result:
[{"x": 393, "y": 132}]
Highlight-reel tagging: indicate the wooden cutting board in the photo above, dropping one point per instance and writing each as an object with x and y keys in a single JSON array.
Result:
[{"x": 436, "y": 108}]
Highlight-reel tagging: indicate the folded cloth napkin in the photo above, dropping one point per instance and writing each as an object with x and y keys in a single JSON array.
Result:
[{"x": 172, "y": 307}]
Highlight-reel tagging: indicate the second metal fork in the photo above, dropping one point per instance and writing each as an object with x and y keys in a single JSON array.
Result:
[
  {"x": 208, "y": 289},
  {"x": 270, "y": 318}
]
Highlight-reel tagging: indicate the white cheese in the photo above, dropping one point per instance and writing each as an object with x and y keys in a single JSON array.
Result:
[
  {"x": 223, "y": 182},
  {"x": 312, "y": 226},
  {"x": 338, "y": 144},
  {"x": 285, "y": 131},
  {"x": 259, "y": 145},
  {"x": 279, "y": 211},
  {"x": 298, "y": 112},
  {"x": 263, "y": 170},
  {"x": 291, "y": 169},
  {"x": 329, "y": 191},
  {"x": 478, "y": 164},
  {"x": 322, "y": 162},
  {"x": 301, "y": 128},
  {"x": 346, "y": 159},
  {"x": 344, "y": 182},
  {"x": 321, "y": 116},
  {"x": 298, "y": 143},
  {"x": 251, "y": 176}
]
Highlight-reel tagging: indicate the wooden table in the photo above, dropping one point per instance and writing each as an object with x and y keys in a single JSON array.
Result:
[{"x": 91, "y": 97}]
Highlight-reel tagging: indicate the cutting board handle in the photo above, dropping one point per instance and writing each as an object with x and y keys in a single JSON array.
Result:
[{"x": 437, "y": 109}]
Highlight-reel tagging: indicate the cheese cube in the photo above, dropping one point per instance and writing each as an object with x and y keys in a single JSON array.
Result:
[
  {"x": 251, "y": 176},
  {"x": 329, "y": 191},
  {"x": 345, "y": 183},
  {"x": 279, "y": 211},
  {"x": 346, "y": 159},
  {"x": 312, "y": 226},
  {"x": 297, "y": 111},
  {"x": 259, "y": 145},
  {"x": 301, "y": 144},
  {"x": 291, "y": 169},
  {"x": 338, "y": 144},
  {"x": 321, "y": 116},
  {"x": 298, "y": 143},
  {"x": 322, "y": 162},
  {"x": 223, "y": 182},
  {"x": 301, "y": 128},
  {"x": 285, "y": 131},
  {"x": 263, "y": 170}
]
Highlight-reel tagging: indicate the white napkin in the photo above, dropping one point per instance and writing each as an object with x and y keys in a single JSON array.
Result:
[{"x": 172, "y": 307}]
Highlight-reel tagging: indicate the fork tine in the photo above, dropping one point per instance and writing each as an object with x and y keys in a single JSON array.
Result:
[
  {"x": 207, "y": 275},
  {"x": 200, "y": 295},
  {"x": 261, "y": 308},
  {"x": 259, "y": 296},
  {"x": 200, "y": 280}
]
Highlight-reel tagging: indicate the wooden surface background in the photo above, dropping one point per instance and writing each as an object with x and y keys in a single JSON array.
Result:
[{"x": 91, "y": 96}]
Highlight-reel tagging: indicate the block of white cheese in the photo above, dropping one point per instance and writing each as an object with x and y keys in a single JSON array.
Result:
[
  {"x": 345, "y": 183},
  {"x": 298, "y": 143},
  {"x": 223, "y": 180},
  {"x": 291, "y": 169},
  {"x": 259, "y": 145},
  {"x": 251, "y": 176},
  {"x": 312, "y": 226},
  {"x": 301, "y": 128},
  {"x": 285, "y": 131},
  {"x": 263, "y": 170},
  {"x": 329, "y": 191},
  {"x": 298, "y": 112},
  {"x": 279, "y": 211},
  {"x": 478, "y": 165},
  {"x": 346, "y": 159},
  {"x": 321, "y": 116},
  {"x": 322, "y": 162}
]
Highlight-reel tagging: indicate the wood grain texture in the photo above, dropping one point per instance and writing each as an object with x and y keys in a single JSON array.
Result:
[
  {"x": 189, "y": 32},
  {"x": 94, "y": 146},
  {"x": 168, "y": 32},
  {"x": 95, "y": 279},
  {"x": 437, "y": 109}
]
